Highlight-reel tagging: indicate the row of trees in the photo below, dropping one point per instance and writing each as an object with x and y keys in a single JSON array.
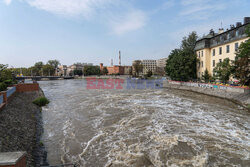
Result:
[{"x": 39, "y": 69}]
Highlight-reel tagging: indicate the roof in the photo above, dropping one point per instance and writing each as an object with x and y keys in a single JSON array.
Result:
[
  {"x": 10, "y": 158},
  {"x": 215, "y": 35}
]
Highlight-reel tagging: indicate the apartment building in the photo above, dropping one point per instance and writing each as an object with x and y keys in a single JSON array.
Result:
[
  {"x": 148, "y": 65},
  {"x": 215, "y": 47},
  {"x": 161, "y": 63}
]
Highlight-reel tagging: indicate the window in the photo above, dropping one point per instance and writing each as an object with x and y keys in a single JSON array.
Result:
[
  {"x": 199, "y": 74},
  {"x": 228, "y": 48},
  {"x": 220, "y": 50},
  {"x": 213, "y": 63},
  {"x": 201, "y": 63},
  {"x": 201, "y": 53},
  {"x": 220, "y": 60},
  {"x": 213, "y": 52},
  {"x": 236, "y": 46},
  {"x": 237, "y": 33}
]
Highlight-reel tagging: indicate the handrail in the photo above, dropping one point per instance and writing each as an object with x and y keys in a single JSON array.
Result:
[{"x": 62, "y": 165}]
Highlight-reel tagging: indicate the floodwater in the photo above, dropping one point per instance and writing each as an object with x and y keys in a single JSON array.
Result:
[{"x": 142, "y": 128}]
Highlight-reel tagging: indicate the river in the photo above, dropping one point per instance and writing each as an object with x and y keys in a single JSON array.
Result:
[{"x": 147, "y": 127}]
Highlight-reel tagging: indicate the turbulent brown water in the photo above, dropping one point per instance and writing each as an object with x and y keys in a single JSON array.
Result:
[{"x": 142, "y": 128}]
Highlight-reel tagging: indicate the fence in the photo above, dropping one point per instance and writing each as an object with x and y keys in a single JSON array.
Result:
[
  {"x": 5, "y": 95},
  {"x": 11, "y": 91},
  {"x": 1, "y": 100}
]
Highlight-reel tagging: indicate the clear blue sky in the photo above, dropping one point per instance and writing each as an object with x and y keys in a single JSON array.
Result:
[{"x": 94, "y": 31}]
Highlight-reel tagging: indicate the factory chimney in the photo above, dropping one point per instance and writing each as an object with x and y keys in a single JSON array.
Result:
[
  {"x": 111, "y": 62},
  {"x": 119, "y": 58}
]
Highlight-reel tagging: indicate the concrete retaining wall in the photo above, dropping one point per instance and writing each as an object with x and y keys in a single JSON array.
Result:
[{"x": 236, "y": 94}]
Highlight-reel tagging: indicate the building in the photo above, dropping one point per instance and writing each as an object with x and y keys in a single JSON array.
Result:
[
  {"x": 215, "y": 47},
  {"x": 61, "y": 70},
  {"x": 148, "y": 65},
  {"x": 127, "y": 70},
  {"x": 161, "y": 63},
  {"x": 116, "y": 69},
  {"x": 65, "y": 70}
]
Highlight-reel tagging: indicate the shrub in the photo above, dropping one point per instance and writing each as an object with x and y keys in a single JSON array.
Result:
[
  {"x": 3, "y": 86},
  {"x": 41, "y": 101},
  {"x": 8, "y": 82}
]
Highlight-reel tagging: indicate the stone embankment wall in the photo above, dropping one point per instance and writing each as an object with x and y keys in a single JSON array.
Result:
[
  {"x": 236, "y": 94},
  {"x": 21, "y": 124}
]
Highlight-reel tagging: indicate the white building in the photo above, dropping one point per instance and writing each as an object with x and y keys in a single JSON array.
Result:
[
  {"x": 161, "y": 63},
  {"x": 148, "y": 65}
]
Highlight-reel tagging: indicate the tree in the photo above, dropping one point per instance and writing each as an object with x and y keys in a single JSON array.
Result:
[
  {"x": 105, "y": 71},
  {"x": 181, "y": 64},
  {"x": 206, "y": 77},
  {"x": 37, "y": 68},
  {"x": 48, "y": 70},
  {"x": 91, "y": 70},
  {"x": 78, "y": 72},
  {"x": 6, "y": 76},
  {"x": 149, "y": 73},
  {"x": 188, "y": 43},
  {"x": 54, "y": 63},
  {"x": 137, "y": 67},
  {"x": 223, "y": 70},
  {"x": 241, "y": 67}
]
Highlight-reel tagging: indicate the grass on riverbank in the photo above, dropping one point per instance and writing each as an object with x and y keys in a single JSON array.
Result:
[{"x": 41, "y": 101}]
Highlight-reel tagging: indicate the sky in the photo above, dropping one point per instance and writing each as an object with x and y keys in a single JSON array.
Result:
[{"x": 93, "y": 31}]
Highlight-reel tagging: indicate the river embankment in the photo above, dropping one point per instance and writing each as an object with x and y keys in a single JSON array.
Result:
[
  {"x": 21, "y": 127},
  {"x": 237, "y": 95}
]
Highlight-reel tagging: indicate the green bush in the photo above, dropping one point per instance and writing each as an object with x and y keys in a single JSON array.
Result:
[
  {"x": 41, "y": 101},
  {"x": 3, "y": 86},
  {"x": 8, "y": 82}
]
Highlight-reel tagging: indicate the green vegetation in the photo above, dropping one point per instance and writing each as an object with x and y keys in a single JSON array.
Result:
[
  {"x": 41, "y": 101},
  {"x": 181, "y": 63},
  {"x": 149, "y": 74},
  {"x": 91, "y": 70},
  {"x": 223, "y": 70},
  {"x": 6, "y": 77},
  {"x": 78, "y": 72},
  {"x": 3, "y": 86},
  {"x": 105, "y": 71},
  {"x": 241, "y": 66},
  {"x": 138, "y": 67},
  {"x": 206, "y": 77},
  {"x": 38, "y": 69}
]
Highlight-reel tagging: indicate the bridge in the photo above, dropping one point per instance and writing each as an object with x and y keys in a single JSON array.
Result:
[{"x": 38, "y": 78}]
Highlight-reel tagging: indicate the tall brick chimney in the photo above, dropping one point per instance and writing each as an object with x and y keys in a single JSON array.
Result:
[{"x": 120, "y": 58}]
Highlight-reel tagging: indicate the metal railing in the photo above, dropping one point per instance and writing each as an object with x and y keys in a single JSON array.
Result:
[
  {"x": 11, "y": 91},
  {"x": 1, "y": 99},
  {"x": 63, "y": 165}
]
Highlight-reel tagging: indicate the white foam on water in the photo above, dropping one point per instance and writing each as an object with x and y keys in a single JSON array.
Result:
[{"x": 147, "y": 124}]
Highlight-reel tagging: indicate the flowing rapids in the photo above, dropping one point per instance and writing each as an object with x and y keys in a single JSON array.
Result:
[{"x": 142, "y": 128}]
